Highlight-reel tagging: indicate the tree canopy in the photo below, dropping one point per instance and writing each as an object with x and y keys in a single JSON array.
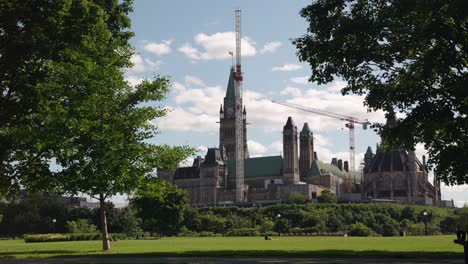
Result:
[
  {"x": 86, "y": 129},
  {"x": 410, "y": 56}
]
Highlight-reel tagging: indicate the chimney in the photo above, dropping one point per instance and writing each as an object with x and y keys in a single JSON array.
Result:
[
  {"x": 315, "y": 155},
  {"x": 340, "y": 165},
  {"x": 346, "y": 166},
  {"x": 334, "y": 162}
]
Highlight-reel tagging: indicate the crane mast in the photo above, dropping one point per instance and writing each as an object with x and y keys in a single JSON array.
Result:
[
  {"x": 240, "y": 153},
  {"x": 350, "y": 121}
]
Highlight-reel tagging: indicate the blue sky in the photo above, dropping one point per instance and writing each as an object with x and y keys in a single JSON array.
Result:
[{"x": 189, "y": 41}]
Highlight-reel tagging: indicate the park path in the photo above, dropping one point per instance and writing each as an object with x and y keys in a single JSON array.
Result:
[{"x": 227, "y": 260}]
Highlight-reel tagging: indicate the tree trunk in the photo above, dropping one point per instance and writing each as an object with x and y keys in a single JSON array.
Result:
[{"x": 105, "y": 235}]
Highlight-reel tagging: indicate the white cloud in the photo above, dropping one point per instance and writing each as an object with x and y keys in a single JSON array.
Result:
[
  {"x": 133, "y": 80},
  {"x": 287, "y": 67},
  {"x": 159, "y": 48},
  {"x": 300, "y": 80},
  {"x": 256, "y": 148},
  {"x": 270, "y": 47},
  {"x": 217, "y": 46},
  {"x": 138, "y": 63},
  {"x": 336, "y": 86},
  {"x": 291, "y": 91},
  {"x": 193, "y": 80},
  {"x": 141, "y": 64},
  {"x": 190, "y": 51}
]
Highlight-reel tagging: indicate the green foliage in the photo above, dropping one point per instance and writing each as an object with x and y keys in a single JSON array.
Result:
[
  {"x": 267, "y": 225},
  {"x": 131, "y": 224},
  {"x": 161, "y": 206},
  {"x": 243, "y": 232},
  {"x": 360, "y": 229},
  {"x": 80, "y": 226},
  {"x": 70, "y": 237},
  {"x": 45, "y": 238},
  {"x": 326, "y": 196},
  {"x": 448, "y": 225},
  {"x": 403, "y": 55},
  {"x": 33, "y": 214},
  {"x": 298, "y": 198},
  {"x": 462, "y": 219}
]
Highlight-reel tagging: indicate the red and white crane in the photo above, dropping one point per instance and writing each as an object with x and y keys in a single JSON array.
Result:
[
  {"x": 240, "y": 155},
  {"x": 350, "y": 122}
]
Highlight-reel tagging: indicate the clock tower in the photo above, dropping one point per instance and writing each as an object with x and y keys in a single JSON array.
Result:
[{"x": 227, "y": 122}]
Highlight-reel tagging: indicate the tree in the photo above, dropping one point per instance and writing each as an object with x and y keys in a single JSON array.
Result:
[
  {"x": 462, "y": 220},
  {"x": 80, "y": 226},
  {"x": 87, "y": 119},
  {"x": 326, "y": 196},
  {"x": 410, "y": 56},
  {"x": 298, "y": 198},
  {"x": 33, "y": 214},
  {"x": 131, "y": 223},
  {"x": 31, "y": 35},
  {"x": 161, "y": 205}
]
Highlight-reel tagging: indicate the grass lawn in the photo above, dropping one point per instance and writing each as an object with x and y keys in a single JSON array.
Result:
[{"x": 397, "y": 247}]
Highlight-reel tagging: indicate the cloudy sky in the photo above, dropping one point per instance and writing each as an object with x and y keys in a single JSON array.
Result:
[{"x": 189, "y": 41}]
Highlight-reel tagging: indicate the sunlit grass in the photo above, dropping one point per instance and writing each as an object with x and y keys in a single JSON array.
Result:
[{"x": 404, "y": 247}]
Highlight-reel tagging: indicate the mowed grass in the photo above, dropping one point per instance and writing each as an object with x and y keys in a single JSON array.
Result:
[{"x": 396, "y": 247}]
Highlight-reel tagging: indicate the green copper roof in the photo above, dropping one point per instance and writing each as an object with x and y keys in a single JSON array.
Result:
[
  {"x": 369, "y": 150},
  {"x": 258, "y": 167},
  {"x": 230, "y": 92},
  {"x": 306, "y": 130},
  {"x": 321, "y": 169}
]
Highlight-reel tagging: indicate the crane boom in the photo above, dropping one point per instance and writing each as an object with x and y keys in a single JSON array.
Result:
[
  {"x": 240, "y": 154},
  {"x": 350, "y": 121}
]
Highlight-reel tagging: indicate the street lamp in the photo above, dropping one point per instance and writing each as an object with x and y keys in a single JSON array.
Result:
[
  {"x": 53, "y": 225},
  {"x": 425, "y": 222},
  {"x": 279, "y": 224}
]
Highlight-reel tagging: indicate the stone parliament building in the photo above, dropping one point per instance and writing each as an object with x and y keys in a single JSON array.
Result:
[{"x": 396, "y": 176}]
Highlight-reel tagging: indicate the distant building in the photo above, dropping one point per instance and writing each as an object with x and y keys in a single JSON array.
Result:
[
  {"x": 398, "y": 175},
  {"x": 211, "y": 180}
]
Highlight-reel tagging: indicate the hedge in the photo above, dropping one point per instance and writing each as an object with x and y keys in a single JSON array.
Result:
[{"x": 70, "y": 237}]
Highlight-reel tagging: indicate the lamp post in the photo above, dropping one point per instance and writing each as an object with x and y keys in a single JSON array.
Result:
[
  {"x": 425, "y": 222},
  {"x": 53, "y": 224},
  {"x": 279, "y": 224}
]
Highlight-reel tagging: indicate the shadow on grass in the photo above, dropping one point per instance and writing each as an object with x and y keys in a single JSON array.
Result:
[
  {"x": 277, "y": 254},
  {"x": 64, "y": 253}
]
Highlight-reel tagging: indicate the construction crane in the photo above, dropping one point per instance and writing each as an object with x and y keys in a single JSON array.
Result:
[
  {"x": 240, "y": 155},
  {"x": 350, "y": 122}
]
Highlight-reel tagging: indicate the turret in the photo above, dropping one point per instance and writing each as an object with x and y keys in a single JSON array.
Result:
[
  {"x": 306, "y": 152},
  {"x": 291, "y": 160}
]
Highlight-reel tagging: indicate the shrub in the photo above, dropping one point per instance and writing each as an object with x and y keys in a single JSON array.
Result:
[
  {"x": 360, "y": 229},
  {"x": 71, "y": 237},
  {"x": 45, "y": 238},
  {"x": 243, "y": 232},
  {"x": 80, "y": 226}
]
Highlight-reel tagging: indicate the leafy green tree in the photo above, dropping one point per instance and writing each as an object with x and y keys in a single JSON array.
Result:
[
  {"x": 462, "y": 219},
  {"x": 87, "y": 119},
  {"x": 33, "y": 214},
  {"x": 131, "y": 223},
  {"x": 298, "y": 198},
  {"x": 32, "y": 34},
  {"x": 410, "y": 56},
  {"x": 448, "y": 225},
  {"x": 326, "y": 196},
  {"x": 80, "y": 226},
  {"x": 360, "y": 229},
  {"x": 161, "y": 206}
]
